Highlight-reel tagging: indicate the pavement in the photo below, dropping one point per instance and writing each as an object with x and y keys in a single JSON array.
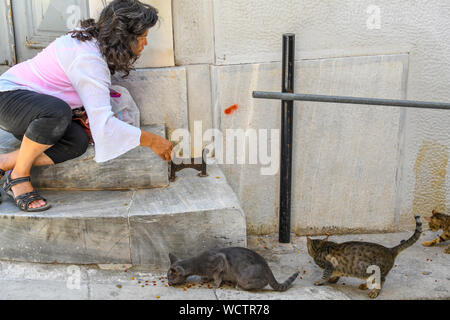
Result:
[{"x": 420, "y": 273}]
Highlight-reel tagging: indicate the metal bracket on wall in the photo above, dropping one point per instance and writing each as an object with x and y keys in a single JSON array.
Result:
[{"x": 197, "y": 164}]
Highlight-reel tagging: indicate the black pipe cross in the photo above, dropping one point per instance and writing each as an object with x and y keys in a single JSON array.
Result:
[{"x": 287, "y": 124}]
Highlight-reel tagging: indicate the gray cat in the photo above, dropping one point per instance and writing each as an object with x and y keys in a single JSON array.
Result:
[{"x": 241, "y": 266}]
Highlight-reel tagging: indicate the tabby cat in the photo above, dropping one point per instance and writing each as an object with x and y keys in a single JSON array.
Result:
[
  {"x": 241, "y": 266},
  {"x": 439, "y": 221},
  {"x": 358, "y": 260}
]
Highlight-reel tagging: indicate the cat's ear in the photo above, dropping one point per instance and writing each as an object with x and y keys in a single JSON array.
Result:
[{"x": 172, "y": 258}]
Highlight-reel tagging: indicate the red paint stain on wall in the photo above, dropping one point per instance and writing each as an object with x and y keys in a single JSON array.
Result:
[{"x": 231, "y": 109}]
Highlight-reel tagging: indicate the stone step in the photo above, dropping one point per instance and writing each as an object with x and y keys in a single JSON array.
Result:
[
  {"x": 137, "y": 227},
  {"x": 140, "y": 168}
]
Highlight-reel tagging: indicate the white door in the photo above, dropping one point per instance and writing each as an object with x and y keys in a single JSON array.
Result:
[
  {"x": 7, "y": 49},
  {"x": 38, "y": 22}
]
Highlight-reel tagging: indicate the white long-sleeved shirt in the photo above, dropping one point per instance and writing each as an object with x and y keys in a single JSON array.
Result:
[{"x": 77, "y": 73}]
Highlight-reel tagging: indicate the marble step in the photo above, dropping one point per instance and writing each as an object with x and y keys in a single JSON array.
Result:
[
  {"x": 140, "y": 168},
  {"x": 137, "y": 227}
]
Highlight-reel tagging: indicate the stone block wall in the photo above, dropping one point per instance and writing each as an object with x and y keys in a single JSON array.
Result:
[{"x": 355, "y": 168}]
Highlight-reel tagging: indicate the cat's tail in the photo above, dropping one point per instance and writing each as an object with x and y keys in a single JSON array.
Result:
[
  {"x": 282, "y": 286},
  {"x": 405, "y": 244}
]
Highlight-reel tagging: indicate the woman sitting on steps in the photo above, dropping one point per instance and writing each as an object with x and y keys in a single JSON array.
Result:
[{"x": 37, "y": 98}]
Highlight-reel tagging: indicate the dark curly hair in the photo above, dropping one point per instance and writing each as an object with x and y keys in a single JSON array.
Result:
[{"x": 116, "y": 31}]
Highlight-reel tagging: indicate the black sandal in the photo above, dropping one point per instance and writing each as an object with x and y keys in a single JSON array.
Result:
[{"x": 24, "y": 200}]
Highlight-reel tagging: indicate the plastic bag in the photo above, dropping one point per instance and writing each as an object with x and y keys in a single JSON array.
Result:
[{"x": 124, "y": 107}]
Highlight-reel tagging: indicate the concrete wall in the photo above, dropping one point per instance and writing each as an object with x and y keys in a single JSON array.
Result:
[{"x": 355, "y": 168}]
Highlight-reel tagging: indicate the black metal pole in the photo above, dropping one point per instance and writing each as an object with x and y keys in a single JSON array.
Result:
[
  {"x": 351, "y": 100},
  {"x": 287, "y": 128}
]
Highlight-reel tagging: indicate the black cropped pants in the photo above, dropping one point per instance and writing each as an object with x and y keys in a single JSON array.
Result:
[{"x": 43, "y": 119}]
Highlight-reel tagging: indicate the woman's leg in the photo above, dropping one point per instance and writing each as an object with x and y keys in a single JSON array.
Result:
[
  {"x": 28, "y": 153},
  {"x": 73, "y": 145},
  {"x": 42, "y": 121},
  {"x": 8, "y": 160}
]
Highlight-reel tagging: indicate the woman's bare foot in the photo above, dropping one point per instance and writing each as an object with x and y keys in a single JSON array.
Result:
[{"x": 7, "y": 161}]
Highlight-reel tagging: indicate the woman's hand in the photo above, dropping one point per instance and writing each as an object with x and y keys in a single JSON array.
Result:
[{"x": 159, "y": 145}]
